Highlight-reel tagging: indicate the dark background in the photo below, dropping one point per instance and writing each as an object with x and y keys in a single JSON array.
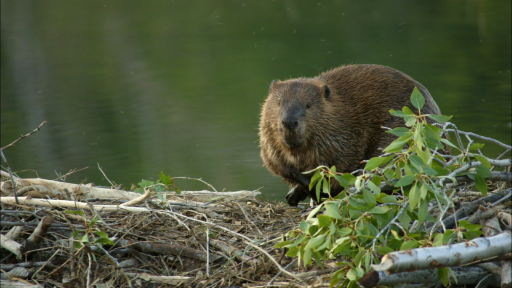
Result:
[{"x": 176, "y": 86}]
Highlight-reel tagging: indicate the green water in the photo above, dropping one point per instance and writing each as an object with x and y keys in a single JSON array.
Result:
[{"x": 176, "y": 86}]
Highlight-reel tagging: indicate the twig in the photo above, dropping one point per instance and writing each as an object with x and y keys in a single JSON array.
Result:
[
  {"x": 198, "y": 179},
  {"x": 274, "y": 260},
  {"x": 24, "y": 136},
  {"x": 10, "y": 174},
  {"x": 138, "y": 200},
  {"x": 280, "y": 272},
  {"x": 389, "y": 224},
  {"x": 247, "y": 217},
  {"x": 479, "y": 136},
  {"x": 105, "y": 175},
  {"x": 72, "y": 171},
  {"x": 207, "y": 251}
]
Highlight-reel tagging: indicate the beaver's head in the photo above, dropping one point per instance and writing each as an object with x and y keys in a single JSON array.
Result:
[{"x": 300, "y": 102}]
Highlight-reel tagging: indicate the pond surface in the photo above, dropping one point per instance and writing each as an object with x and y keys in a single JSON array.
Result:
[{"x": 177, "y": 86}]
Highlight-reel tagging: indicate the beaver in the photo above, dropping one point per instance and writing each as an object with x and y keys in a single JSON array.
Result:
[{"x": 335, "y": 119}]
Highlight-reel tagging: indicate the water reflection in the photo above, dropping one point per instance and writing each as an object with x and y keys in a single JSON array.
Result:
[{"x": 177, "y": 87}]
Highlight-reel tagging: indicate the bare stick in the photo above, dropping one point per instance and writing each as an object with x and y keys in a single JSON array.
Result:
[
  {"x": 24, "y": 136},
  {"x": 274, "y": 260},
  {"x": 198, "y": 179},
  {"x": 248, "y": 219},
  {"x": 105, "y": 175},
  {"x": 137, "y": 200},
  {"x": 10, "y": 174}
]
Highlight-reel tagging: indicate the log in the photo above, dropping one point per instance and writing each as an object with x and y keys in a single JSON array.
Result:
[{"x": 446, "y": 256}]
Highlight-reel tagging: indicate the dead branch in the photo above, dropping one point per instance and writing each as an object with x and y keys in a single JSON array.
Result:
[
  {"x": 170, "y": 249},
  {"x": 465, "y": 276},
  {"x": 446, "y": 256},
  {"x": 11, "y": 245},
  {"x": 172, "y": 280},
  {"x": 24, "y": 136}
]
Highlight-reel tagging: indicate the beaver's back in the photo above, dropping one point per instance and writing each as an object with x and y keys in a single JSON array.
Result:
[{"x": 333, "y": 119}]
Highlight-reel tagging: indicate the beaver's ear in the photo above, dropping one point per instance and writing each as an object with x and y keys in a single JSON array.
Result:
[
  {"x": 273, "y": 86},
  {"x": 327, "y": 92}
]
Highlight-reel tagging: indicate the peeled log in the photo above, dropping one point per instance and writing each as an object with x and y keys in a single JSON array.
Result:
[{"x": 446, "y": 256}]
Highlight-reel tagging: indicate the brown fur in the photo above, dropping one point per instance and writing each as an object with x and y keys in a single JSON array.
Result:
[{"x": 342, "y": 126}]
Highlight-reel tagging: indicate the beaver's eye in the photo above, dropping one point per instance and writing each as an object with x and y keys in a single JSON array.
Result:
[{"x": 308, "y": 105}]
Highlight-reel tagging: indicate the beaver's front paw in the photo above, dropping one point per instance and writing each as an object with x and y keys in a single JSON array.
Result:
[{"x": 295, "y": 195}]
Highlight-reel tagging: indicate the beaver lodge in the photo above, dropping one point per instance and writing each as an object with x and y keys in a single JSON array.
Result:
[
  {"x": 58, "y": 234},
  {"x": 192, "y": 239}
]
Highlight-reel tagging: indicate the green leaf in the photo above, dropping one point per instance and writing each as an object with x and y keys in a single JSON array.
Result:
[
  {"x": 430, "y": 171},
  {"x": 422, "y": 212},
  {"x": 104, "y": 241},
  {"x": 418, "y": 138},
  {"x": 282, "y": 244},
  {"x": 399, "y": 131},
  {"x": 442, "y": 273},
  {"x": 374, "y": 163},
  {"x": 343, "y": 182},
  {"x": 417, "y": 161},
  {"x": 298, "y": 241},
  {"x": 369, "y": 198},
  {"x": 470, "y": 227},
  {"x": 410, "y": 120},
  {"x": 331, "y": 209},
  {"x": 373, "y": 187},
  {"x": 417, "y": 98},
  {"x": 314, "y": 242},
  {"x": 407, "y": 111},
  {"x": 446, "y": 141},
  {"x": 93, "y": 220},
  {"x": 414, "y": 196},
  {"x": 314, "y": 211},
  {"x": 480, "y": 184},
  {"x": 384, "y": 250},
  {"x": 406, "y": 180},
  {"x": 432, "y": 132},
  {"x": 344, "y": 231},
  {"x": 84, "y": 239},
  {"x": 440, "y": 118},
  {"x": 423, "y": 191},
  {"x": 77, "y": 212},
  {"x": 483, "y": 171},
  {"x": 292, "y": 252},
  {"x": 326, "y": 187},
  {"x": 165, "y": 179},
  {"x": 476, "y": 146},
  {"x": 324, "y": 220},
  {"x": 411, "y": 244},
  {"x": 389, "y": 199},
  {"x": 146, "y": 183},
  {"x": 395, "y": 146},
  {"x": 438, "y": 240},
  {"x": 351, "y": 274},
  {"x": 378, "y": 210},
  {"x": 101, "y": 234},
  {"x": 315, "y": 178},
  {"x": 306, "y": 258},
  {"x": 318, "y": 189},
  {"x": 304, "y": 226},
  {"x": 326, "y": 244},
  {"x": 483, "y": 160},
  {"x": 405, "y": 220}
]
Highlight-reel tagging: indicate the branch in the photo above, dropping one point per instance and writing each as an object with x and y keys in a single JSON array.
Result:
[
  {"x": 465, "y": 276},
  {"x": 24, "y": 136},
  {"x": 446, "y": 256}
]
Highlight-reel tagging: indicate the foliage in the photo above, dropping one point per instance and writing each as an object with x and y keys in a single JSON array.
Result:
[
  {"x": 363, "y": 223},
  {"x": 163, "y": 184},
  {"x": 91, "y": 235}
]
